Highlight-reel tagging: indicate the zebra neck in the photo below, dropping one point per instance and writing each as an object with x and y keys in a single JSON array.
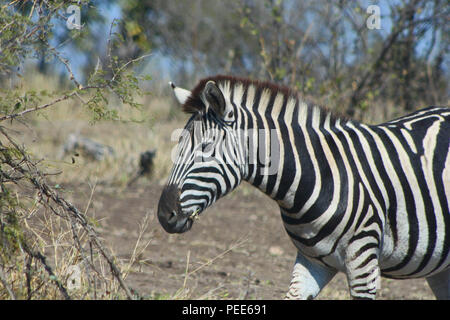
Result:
[{"x": 293, "y": 139}]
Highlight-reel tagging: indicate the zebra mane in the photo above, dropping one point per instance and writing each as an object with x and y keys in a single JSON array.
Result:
[{"x": 195, "y": 104}]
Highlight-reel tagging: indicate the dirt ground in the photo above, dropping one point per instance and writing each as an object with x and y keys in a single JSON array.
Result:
[{"x": 237, "y": 249}]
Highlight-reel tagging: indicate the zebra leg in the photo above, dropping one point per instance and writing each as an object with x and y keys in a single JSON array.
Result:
[
  {"x": 362, "y": 269},
  {"x": 440, "y": 285},
  {"x": 308, "y": 279}
]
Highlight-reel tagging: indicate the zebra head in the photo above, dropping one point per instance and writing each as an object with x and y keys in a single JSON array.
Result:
[{"x": 208, "y": 162}]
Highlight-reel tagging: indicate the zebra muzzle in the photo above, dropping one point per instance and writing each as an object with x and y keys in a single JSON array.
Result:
[{"x": 170, "y": 215}]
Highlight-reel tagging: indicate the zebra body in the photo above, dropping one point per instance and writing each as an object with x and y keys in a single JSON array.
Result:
[{"x": 362, "y": 199}]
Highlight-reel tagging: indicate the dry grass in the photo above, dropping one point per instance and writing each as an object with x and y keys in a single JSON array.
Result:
[
  {"x": 137, "y": 131},
  {"x": 56, "y": 269}
]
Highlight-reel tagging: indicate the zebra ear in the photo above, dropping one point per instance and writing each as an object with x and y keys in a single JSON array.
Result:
[
  {"x": 215, "y": 98},
  {"x": 180, "y": 93}
]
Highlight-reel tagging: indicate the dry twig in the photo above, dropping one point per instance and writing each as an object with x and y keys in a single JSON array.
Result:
[{"x": 27, "y": 168}]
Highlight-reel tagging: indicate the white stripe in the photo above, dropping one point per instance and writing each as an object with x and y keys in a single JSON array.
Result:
[
  {"x": 311, "y": 229},
  {"x": 238, "y": 94},
  {"x": 409, "y": 124},
  {"x": 265, "y": 98},
  {"x": 302, "y": 117},
  {"x": 329, "y": 241},
  {"x": 422, "y": 114},
  {"x": 399, "y": 251},
  {"x": 253, "y": 141},
  {"x": 419, "y": 205},
  {"x": 276, "y": 110},
  {"x": 290, "y": 194},
  {"x": 409, "y": 140},
  {"x": 361, "y": 173},
  {"x": 333, "y": 167},
  {"x": 429, "y": 145}
]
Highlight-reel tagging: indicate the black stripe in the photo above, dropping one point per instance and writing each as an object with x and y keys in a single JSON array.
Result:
[
  {"x": 387, "y": 183},
  {"x": 409, "y": 199},
  {"x": 364, "y": 163},
  {"x": 210, "y": 180},
  {"x": 364, "y": 211},
  {"x": 371, "y": 257},
  {"x": 259, "y": 125},
  {"x": 363, "y": 275},
  {"x": 199, "y": 198},
  {"x": 246, "y": 127},
  {"x": 327, "y": 187},
  {"x": 350, "y": 220},
  {"x": 288, "y": 169},
  {"x": 272, "y": 179},
  {"x": 338, "y": 215},
  {"x": 365, "y": 234},
  {"x": 343, "y": 193},
  {"x": 364, "y": 248},
  {"x": 423, "y": 189},
  {"x": 308, "y": 177}
]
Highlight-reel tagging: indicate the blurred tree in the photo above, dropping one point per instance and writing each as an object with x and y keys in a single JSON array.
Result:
[
  {"x": 322, "y": 48},
  {"x": 28, "y": 30},
  {"x": 199, "y": 36},
  {"x": 397, "y": 66}
]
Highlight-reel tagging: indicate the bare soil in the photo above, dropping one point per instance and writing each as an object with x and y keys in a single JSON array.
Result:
[{"x": 237, "y": 249}]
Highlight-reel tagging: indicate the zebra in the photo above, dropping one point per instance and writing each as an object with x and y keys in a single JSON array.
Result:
[{"x": 366, "y": 200}]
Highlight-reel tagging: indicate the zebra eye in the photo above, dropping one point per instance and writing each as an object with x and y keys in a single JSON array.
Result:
[
  {"x": 230, "y": 114},
  {"x": 206, "y": 144}
]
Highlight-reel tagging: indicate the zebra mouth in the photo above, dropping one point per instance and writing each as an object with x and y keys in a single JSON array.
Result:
[
  {"x": 183, "y": 224},
  {"x": 194, "y": 215},
  {"x": 187, "y": 225}
]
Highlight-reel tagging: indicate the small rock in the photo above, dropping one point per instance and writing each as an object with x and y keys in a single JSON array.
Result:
[
  {"x": 276, "y": 251},
  {"x": 76, "y": 143}
]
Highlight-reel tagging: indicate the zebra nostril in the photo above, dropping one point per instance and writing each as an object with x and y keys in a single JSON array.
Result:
[{"x": 172, "y": 216}]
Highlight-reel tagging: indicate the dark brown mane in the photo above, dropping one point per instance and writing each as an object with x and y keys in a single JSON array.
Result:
[{"x": 195, "y": 104}]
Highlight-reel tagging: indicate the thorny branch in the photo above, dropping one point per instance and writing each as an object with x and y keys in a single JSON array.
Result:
[
  {"x": 6, "y": 285},
  {"x": 49, "y": 104},
  {"x": 42, "y": 259},
  {"x": 27, "y": 169},
  {"x": 17, "y": 166}
]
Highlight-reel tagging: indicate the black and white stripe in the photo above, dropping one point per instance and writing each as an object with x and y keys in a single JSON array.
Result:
[{"x": 367, "y": 200}]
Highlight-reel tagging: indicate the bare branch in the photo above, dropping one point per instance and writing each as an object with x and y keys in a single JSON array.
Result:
[
  {"x": 37, "y": 179},
  {"x": 6, "y": 285},
  {"x": 49, "y": 104}
]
